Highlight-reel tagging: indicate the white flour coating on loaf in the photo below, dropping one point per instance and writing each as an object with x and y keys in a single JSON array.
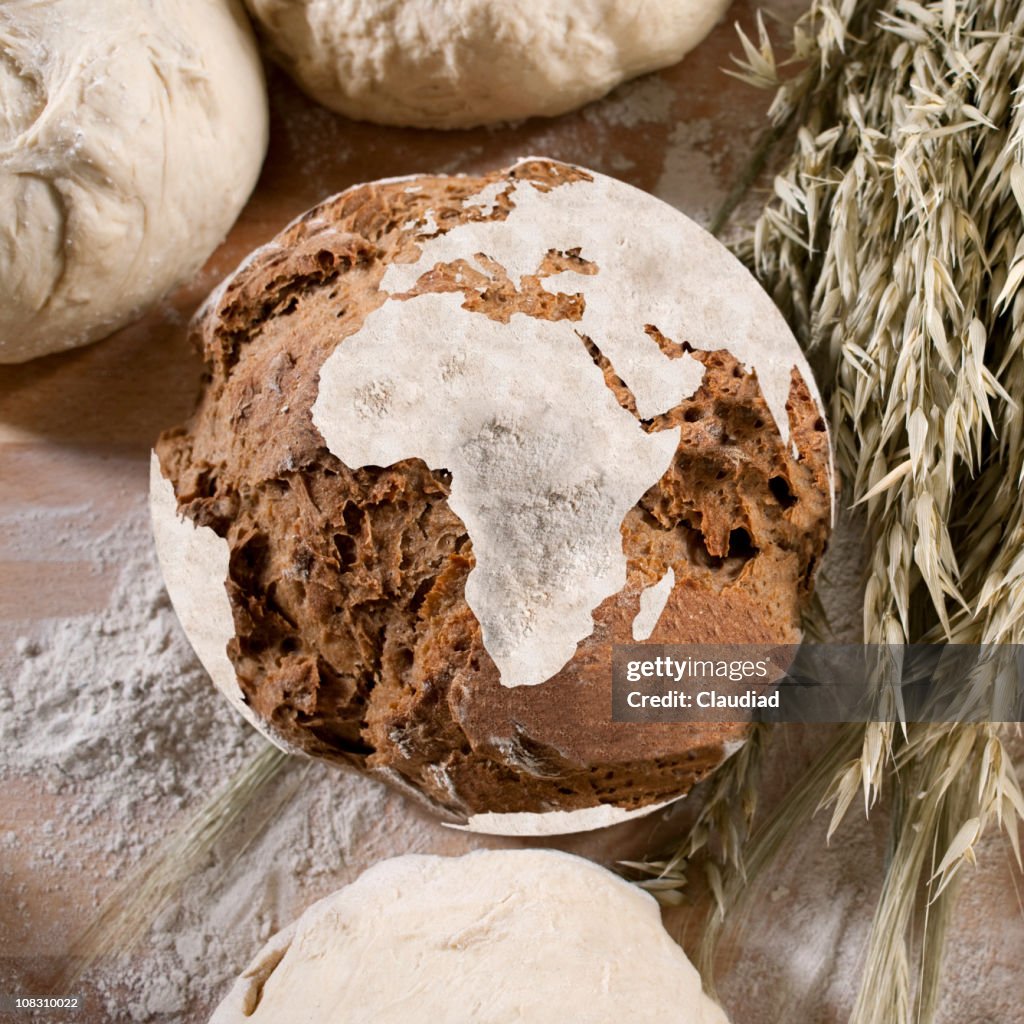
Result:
[
  {"x": 194, "y": 564},
  {"x": 545, "y": 462},
  {"x": 557, "y": 823},
  {"x": 652, "y": 603},
  {"x": 655, "y": 267}
]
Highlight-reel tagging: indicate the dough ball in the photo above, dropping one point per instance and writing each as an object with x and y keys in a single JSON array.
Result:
[
  {"x": 491, "y": 937},
  {"x": 131, "y": 134},
  {"x": 459, "y": 437},
  {"x": 460, "y": 63}
]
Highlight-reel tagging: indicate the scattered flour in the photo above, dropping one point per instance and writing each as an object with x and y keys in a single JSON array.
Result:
[
  {"x": 691, "y": 176},
  {"x": 644, "y": 100},
  {"x": 100, "y": 696},
  {"x": 110, "y": 718}
]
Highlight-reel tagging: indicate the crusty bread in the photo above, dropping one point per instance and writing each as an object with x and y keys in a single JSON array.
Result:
[{"x": 354, "y": 640}]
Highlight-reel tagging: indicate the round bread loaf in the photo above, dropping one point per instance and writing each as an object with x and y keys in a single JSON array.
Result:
[
  {"x": 131, "y": 135},
  {"x": 494, "y": 936},
  {"x": 459, "y": 436},
  {"x": 462, "y": 63}
]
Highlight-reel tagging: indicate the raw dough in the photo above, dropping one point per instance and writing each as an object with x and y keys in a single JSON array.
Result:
[
  {"x": 493, "y": 937},
  {"x": 462, "y": 63},
  {"x": 131, "y": 134}
]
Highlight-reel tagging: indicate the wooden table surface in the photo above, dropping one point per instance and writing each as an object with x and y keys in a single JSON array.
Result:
[{"x": 76, "y": 429}]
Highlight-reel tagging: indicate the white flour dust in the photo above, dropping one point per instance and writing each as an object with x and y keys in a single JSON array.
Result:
[
  {"x": 99, "y": 697},
  {"x": 109, "y": 717},
  {"x": 692, "y": 178}
]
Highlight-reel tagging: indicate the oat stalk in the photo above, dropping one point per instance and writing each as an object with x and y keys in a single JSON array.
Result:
[
  {"x": 725, "y": 817},
  {"x": 128, "y": 912},
  {"x": 894, "y": 243}
]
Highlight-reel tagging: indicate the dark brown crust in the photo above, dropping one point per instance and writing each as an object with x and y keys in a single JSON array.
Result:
[{"x": 354, "y": 640}]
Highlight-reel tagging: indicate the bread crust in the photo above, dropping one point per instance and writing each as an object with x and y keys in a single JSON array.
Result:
[{"x": 354, "y": 641}]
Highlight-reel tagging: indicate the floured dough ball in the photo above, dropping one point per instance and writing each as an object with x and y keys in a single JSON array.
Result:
[
  {"x": 131, "y": 135},
  {"x": 459, "y": 64},
  {"x": 494, "y": 936},
  {"x": 459, "y": 436}
]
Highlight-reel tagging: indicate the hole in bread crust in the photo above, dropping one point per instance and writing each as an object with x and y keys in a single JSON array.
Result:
[
  {"x": 352, "y": 515},
  {"x": 741, "y": 550},
  {"x": 779, "y": 486},
  {"x": 346, "y": 548},
  {"x": 697, "y": 549},
  {"x": 741, "y": 546},
  {"x": 420, "y": 594}
]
